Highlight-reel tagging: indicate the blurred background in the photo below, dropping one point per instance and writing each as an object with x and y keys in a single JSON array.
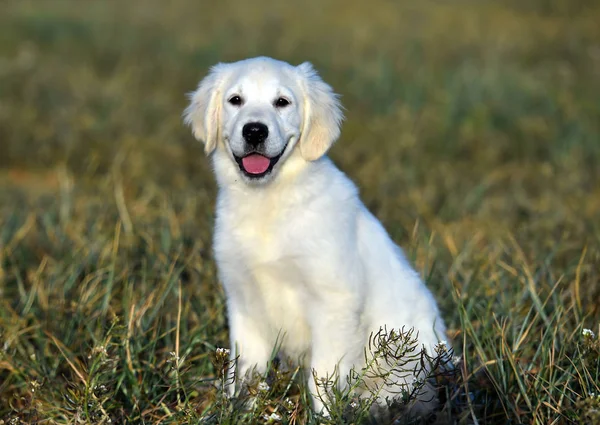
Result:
[
  {"x": 470, "y": 107},
  {"x": 472, "y": 130}
]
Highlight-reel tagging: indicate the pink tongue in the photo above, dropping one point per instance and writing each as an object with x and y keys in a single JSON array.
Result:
[{"x": 255, "y": 163}]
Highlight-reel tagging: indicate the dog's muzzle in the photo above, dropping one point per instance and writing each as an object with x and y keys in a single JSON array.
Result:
[{"x": 254, "y": 163}]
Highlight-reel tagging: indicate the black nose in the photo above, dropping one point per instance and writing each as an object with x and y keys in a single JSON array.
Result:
[{"x": 255, "y": 133}]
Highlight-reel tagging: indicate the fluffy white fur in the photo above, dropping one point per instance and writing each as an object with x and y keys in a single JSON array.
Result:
[{"x": 302, "y": 261}]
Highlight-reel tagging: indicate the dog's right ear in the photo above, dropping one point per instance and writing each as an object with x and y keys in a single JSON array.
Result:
[{"x": 204, "y": 112}]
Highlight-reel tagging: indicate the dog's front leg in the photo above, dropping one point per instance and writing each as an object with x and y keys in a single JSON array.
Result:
[
  {"x": 337, "y": 342},
  {"x": 250, "y": 350}
]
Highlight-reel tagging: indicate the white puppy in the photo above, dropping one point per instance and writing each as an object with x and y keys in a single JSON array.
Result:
[{"x": 302, "y": 261}]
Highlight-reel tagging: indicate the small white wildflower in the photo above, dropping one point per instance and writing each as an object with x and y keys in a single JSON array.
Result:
[
  {"x": 456, "y": 360},
  {"x": 289, "y": 404},
  {"x": 275, "y": 417},
  {"x": 35, "y": 385},
  {"x": 354, "y": 405},
  {"x": 588, "y": 333},
  {"x": 223, "y": 351},
  {"x": 99, "y": 349},
  {"x": 441, "y": 347},
  {"x": 100, "y": 388},
  {"x": 263, "y": 386},
  {"x": 173, "y": 357}
]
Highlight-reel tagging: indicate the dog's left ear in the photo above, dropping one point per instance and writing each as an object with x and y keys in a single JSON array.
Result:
[
  {"x": 322, "y": 114},
  {"x": 204, "y": 112}
]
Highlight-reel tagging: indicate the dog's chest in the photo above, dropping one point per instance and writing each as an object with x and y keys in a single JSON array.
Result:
[
  {"x": 258, "y": 233},
  {"x": 260, "y": 244}
]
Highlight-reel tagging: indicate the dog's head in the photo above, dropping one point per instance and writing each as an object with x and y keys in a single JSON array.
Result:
[{"x": 258, "y": 110}]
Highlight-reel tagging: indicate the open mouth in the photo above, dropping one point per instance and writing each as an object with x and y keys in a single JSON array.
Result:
[{"x": 255, "y": 165}]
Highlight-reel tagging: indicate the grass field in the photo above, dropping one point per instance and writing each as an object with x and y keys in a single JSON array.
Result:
[{"x": 473, "y": 132}]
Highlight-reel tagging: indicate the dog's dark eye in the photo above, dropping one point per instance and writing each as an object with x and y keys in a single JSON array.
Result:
[
  {"x": 235, "y": 100},
  {"x": 282, "y": 102}
]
